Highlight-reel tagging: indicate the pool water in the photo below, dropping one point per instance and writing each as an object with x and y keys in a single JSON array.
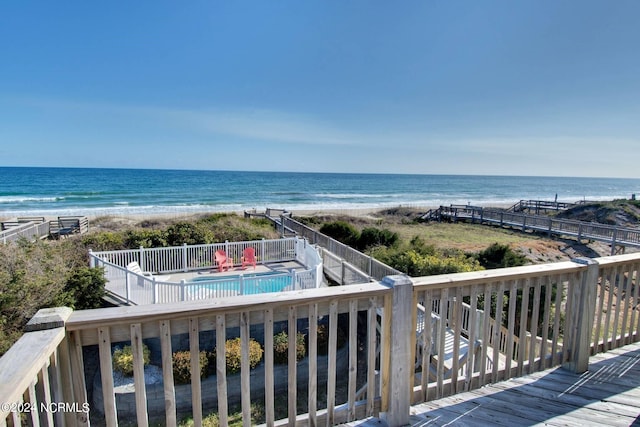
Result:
[{"x": 255, "y": 283}]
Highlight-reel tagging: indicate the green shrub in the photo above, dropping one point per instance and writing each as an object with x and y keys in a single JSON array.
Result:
[
  {"x": 281, "y": 347},
  {"x": 146, "y": 238},
  {"x": 341, "y": 231},
  {"x": 84, "y": 289},
  {"x": 123, "y": 359},
  {"x": 500, "y": 256},
  {"x": 182, "y": 366},
  {"x": 189, "y": 233},
  {"x": 372, "y": 236},
  {"x": 233, "y": 351},
  {"x": 104, "y": 241}
]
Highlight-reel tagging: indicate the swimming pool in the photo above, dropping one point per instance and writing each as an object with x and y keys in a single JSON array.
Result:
[{"x": 245, "y": 284}]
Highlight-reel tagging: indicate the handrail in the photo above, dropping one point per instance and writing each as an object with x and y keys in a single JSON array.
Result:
[
  {"x": 593, "y": 299},
  {"x": 365, "y": 263},
  {"x": 613, "y": 235}
]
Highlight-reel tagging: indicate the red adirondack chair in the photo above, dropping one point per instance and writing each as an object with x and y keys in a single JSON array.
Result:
[
  {"x": 223, "y": 261},
  {"x": 249, "y": 257}
]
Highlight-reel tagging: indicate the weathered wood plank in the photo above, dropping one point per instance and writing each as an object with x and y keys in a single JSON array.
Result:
[
  {"x": 167, "y": 373},
  {"x": 138, "y": 374},
  {"x": 221, "y": 369},
  {"x": 196, "y": 388}
]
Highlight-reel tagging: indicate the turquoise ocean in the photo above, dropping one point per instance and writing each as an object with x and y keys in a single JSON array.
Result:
[{"x": 26, "y": 191}]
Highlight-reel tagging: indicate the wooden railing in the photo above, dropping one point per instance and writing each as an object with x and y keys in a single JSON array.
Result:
[
  {"x": 615, "y": 236},
  {"x": 30, "y": 230},
  {"x": 364, "y": 263},
  {"x": 538, "y": 206},
  {"x": 570, "y": 309}
]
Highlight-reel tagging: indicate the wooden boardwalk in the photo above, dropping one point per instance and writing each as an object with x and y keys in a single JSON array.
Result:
[
  {"x": 608, "y": 394},
  {"x": 612, "y": 235}
]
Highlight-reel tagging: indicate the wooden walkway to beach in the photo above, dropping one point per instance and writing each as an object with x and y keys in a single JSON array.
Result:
[
  {"x": 34, "y": 228},
  {"x": 617, "y": 237},
  {"x": 608, "y": 394}
]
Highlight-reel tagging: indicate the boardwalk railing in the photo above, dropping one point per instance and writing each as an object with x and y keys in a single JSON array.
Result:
[
  {"x": 570, "y": 309},
  {"x": 33, "y": 228},
  {"x": 363, "y": 263},
  {"x": 30, "y": 230},
  {"x": 615, "y": 236},
  {"x": 538, "y": 206},
  {"x": 138, "y": 289}
]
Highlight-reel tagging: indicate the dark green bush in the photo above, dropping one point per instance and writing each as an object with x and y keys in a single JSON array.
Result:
[
  {"x": 281, "y": 347},
  {"x": 182, "y": 366},
  {"x": 372, "y": 236},
  {"x": 123, "y": 359},
  {"x": 146, "y": 238},
  {"x": 84, "y": 289},
  {"x": 104, "y": 241},
  {"x": 341, "y": 231},
  {"x": 189, "y": 233},
  {"x": 500, "y": 256}
]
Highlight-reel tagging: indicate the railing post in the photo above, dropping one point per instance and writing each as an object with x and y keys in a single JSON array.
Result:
[
  {"x": 184, "y": 258},
  {"x": 262, "y": 249},
  {"x": 613, "y": 241},
  {"x": 141, "y": 259},
  {"x": 183, "y": 284},
  {"x": 580, "y": 320},
  {"x": 154, "y": 289},
  {"x": 127, "y": 286},
  {"x": 92, "y": 260},
  {"x": 241, "y": 281},
  {"x": 400, "y": 363}
]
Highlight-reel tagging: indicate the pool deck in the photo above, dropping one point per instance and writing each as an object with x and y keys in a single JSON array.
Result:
[{"x": 278, "y": 267}]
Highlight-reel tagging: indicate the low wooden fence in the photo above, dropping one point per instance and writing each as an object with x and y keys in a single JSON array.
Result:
[{"x": 573, "y": 309}]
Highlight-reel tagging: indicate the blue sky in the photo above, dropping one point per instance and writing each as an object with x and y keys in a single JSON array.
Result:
[{"x": 453, "y": 87}]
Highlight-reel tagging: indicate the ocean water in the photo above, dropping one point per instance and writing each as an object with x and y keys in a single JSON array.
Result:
[{"x": 93, "y": 192}]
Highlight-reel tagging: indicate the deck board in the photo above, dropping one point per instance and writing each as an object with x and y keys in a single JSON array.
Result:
[{"x": 608, "y": 394}]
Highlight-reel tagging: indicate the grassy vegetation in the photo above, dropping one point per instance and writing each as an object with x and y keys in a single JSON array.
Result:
[{"x": 56, "y": 273}]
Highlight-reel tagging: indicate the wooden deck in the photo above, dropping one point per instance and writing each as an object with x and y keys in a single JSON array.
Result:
[{"x": 608, "y": 394}]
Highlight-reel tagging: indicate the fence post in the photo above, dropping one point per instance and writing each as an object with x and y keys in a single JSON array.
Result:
[
  {"x": 580, "y": 320},
  {"x": 262, "y": 258},
  {"x": 141, "y": 259},
  {"x": 184, "y": 258},
  {"x": 613, "y": 241},
  {"x": 241, "y": 280},
  {"x": 127, "y": 286},
  {"x": 183, "y": 284},
  {"x": 400, "y": 364},
  {"x": 154, "y": 288}
]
